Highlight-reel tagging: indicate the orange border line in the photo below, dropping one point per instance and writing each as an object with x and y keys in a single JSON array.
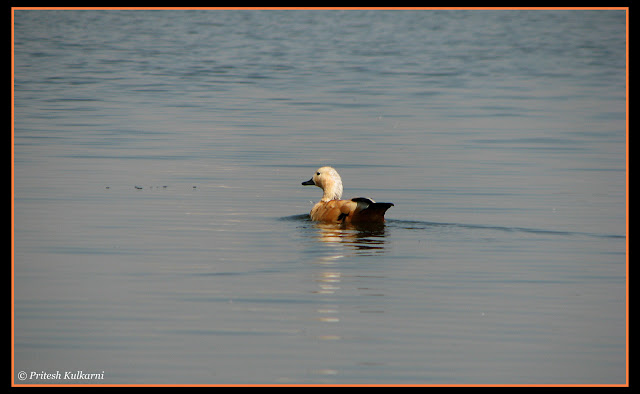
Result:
[
  {"x": 627, "y": 190},
  {"x": 12, "y": 204},
  {"x": 320, "y": 8},
  {"x": 13, "y": 384},
  {"x": 321, "y": 385}
]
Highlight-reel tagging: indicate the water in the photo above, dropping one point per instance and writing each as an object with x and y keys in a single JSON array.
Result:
[{"x": 161, "y": 231}]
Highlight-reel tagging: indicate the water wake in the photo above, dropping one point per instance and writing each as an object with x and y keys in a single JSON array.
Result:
[
  {"x": 427, "y": 225},
  {"x": 424, "y": 225}
]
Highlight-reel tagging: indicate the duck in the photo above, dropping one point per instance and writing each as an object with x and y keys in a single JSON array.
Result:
[{"x": 332, "y": 209}]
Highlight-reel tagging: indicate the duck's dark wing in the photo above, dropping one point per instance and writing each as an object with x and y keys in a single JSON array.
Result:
[{"x": 369, "y": 211}]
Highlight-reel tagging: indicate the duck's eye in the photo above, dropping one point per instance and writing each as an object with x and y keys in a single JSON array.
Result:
[{"x": 317, "y": 173}]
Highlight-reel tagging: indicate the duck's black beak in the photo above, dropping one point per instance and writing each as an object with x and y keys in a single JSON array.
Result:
[{"x": 309, "y": 182}]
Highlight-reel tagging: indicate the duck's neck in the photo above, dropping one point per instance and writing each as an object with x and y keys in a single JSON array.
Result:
[{"x": 332, "y": 191}]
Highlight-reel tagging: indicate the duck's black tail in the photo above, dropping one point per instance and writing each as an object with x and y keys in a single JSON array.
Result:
[{"x": 370, "y": 211}]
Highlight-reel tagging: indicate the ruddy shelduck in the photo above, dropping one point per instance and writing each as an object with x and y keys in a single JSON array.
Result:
[{"x": 331, "y": 209}]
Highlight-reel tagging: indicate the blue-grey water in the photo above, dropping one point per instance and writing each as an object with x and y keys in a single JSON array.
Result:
[{"x": 162, "y": 234}]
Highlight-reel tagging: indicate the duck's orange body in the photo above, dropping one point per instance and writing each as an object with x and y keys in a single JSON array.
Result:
[{"x": 331, "y": 209}]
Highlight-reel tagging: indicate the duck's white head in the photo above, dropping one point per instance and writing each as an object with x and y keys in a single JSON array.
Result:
[{"x": 327, "y": 179}]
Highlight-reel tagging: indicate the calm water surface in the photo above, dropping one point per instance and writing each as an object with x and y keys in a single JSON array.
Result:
[{"x": 161, "y": 231}]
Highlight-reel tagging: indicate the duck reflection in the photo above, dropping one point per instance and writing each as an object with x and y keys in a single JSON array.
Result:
[
  {"x": 330, "y": 280},
  {"x": 358, "y": 239}
]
